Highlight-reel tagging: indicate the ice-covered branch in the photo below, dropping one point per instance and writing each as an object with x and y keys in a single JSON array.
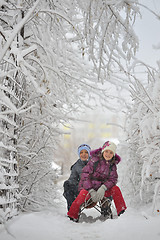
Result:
[{"x": 16, "y": 29}]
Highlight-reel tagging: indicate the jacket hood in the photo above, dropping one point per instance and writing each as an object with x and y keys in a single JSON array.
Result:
[
  {"x": 97, "y": 153},
  {"x": 117, "y": 158}
]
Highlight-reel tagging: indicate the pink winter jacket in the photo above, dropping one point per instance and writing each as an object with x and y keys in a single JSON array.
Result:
[{"x": 103, "y": 173}]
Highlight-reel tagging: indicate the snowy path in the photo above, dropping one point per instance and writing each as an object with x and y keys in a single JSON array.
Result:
[{"x": 54, "y": 225}]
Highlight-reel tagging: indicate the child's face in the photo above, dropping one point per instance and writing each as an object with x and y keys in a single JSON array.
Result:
[
  {"x": 84, "y": 155},
  {"x": 108, "y": 154}
]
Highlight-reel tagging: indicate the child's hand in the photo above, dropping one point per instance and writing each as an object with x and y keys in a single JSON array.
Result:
[
  {"x": 93, "y": 194},
  {"x": 101, "y": 192}
]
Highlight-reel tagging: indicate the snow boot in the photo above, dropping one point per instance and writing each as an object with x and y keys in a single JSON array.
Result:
[{"x": 106, "y": 208}]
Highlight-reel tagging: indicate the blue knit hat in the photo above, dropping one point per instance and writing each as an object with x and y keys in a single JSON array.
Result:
[{"x": 84, "y": 146}]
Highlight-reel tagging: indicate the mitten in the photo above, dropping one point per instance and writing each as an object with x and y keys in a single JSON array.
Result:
[
  {"x": 66, "y": 185},
  {"x": 93, "y": 194},
  {"x": 101, "y": 192}
]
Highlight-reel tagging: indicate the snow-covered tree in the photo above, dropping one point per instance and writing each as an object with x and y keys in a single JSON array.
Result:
[
  {"x": 107, "y": 37},
  {"x": 56, "y": 54},
  {"x": 143, "y": 172},
  {"x": 12, "y": 85}
]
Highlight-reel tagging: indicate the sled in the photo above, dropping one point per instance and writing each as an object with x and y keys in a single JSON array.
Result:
[{"x": 103, "y": 207}]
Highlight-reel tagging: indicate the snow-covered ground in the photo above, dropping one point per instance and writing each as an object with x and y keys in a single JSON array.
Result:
[{"x": 53, "y": 224}]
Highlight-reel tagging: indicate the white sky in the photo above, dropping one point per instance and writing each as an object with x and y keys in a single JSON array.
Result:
[{"x": 148, "y": 31}]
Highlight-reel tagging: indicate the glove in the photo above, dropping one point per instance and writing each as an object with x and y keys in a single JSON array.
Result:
[
  {"x": 93, "y": 194},
  {"x": 66, "y": 185},
  {"x": 101, "y": 192}
]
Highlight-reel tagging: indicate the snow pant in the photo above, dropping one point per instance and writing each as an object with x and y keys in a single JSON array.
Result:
[
  {"x": 83, "y": 196},
  {"x": 70, "y": 193}
]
